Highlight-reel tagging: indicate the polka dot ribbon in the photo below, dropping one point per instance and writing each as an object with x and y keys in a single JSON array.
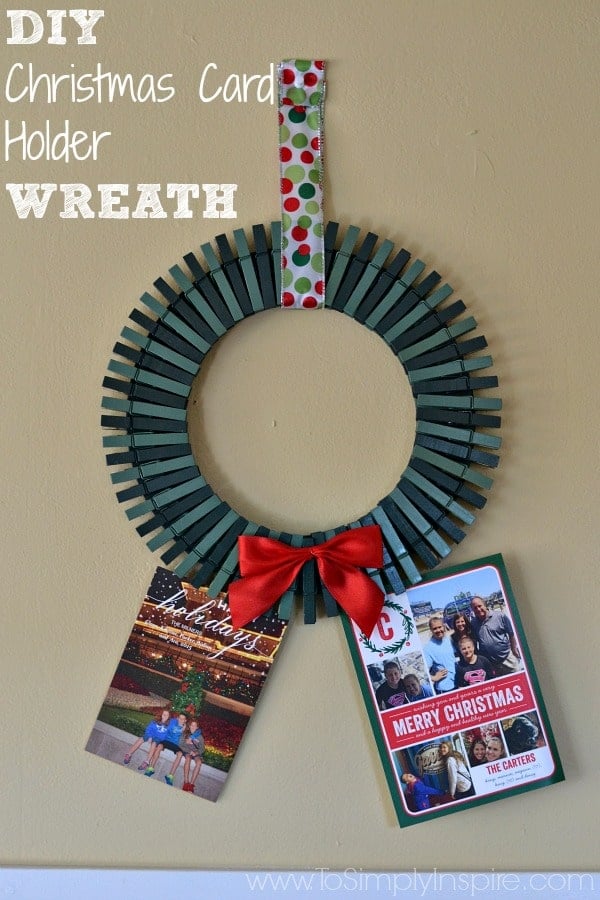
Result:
[{"x": 301, "y": 96}]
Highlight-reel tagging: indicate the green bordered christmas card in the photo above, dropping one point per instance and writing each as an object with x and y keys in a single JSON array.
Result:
[{"x": 452, "y": 694}]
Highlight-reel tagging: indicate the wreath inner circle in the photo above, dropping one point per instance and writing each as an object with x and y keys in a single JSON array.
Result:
[
  {"x": 301, "y": 421},
  {"x": 163, "y": 347}
]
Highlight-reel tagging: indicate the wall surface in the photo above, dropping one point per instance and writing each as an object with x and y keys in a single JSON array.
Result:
[{"x": 466, "y": 131}]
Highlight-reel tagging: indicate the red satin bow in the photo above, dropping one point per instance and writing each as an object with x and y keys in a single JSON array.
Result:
[{"x": 268, "y": 568}]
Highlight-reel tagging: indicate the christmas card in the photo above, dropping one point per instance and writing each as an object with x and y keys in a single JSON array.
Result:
[
  {"x": 185, "y": 688},
  {"x": 452, "y": 694}
]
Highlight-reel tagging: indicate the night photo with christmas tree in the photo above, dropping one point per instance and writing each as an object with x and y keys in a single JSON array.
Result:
[{"x": 184, "y": 667}]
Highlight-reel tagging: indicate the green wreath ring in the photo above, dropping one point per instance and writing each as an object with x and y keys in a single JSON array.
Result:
[{"x": 155, "y": 364}]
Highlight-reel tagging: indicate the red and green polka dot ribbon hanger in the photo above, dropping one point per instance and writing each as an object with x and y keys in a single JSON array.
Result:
[{"x": 301, "y": 97}]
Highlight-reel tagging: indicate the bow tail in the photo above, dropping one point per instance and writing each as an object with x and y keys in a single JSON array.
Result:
[{"x": 354, "y": 591}]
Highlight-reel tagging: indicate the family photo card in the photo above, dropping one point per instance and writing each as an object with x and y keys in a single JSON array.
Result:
[{"x": 452, "y": 694}]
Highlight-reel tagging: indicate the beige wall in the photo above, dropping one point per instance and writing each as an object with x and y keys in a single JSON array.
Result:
[{"x": 467, "y": 131}]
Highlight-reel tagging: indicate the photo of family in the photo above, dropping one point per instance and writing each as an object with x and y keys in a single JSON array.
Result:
[
  {"x": 185, "y": 688},
  {"x": 471, "y": 638}
]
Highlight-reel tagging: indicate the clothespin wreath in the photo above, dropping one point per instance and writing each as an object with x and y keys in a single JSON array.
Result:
[{"x": 299, "y": 262}]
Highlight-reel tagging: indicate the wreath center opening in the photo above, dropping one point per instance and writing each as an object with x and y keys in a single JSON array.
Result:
[{"x": 277, "y": 417}]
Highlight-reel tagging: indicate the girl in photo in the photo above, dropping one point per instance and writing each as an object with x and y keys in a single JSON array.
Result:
[
  {"x": 170, "y": 742},
  {"x": 418, "y": 793},
  {"x": 154, "y": 733},
  {"x": 477, "y": 752},
  {"x": 193, "y": 748},
  {"x": 494, "y": 749},
  {"x": 461, "y": 627},
  {"x": 415, "y": 690},
  {"x": 460, "y": 784}
]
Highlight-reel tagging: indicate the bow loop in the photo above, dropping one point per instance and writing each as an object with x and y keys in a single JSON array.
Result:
[{"x": 269, "y": 567}]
